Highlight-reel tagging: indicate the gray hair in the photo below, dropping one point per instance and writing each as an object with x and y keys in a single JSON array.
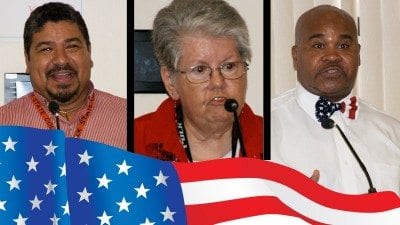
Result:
[{"x": 214, "y": 18}]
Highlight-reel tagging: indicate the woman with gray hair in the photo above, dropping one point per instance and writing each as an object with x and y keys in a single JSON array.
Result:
[{"x": 203, "y": 50}]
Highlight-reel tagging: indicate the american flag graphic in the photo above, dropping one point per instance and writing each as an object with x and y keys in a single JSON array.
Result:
[
  {"x": 32, "y": 185},
  {"x": 46, "y": 178}
]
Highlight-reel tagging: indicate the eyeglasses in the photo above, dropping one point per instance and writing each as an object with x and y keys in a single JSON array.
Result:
[{"x": 202, "y": 73}]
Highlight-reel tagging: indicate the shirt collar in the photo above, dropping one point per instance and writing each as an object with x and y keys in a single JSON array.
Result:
[{"x": 307, "y": 100}]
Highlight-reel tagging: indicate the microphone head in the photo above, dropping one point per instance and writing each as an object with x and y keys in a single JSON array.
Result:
[
  {"x": 231, "y": 105},
  {"x": 54, "y": 107},
  {"x": 327, "y": 123}
]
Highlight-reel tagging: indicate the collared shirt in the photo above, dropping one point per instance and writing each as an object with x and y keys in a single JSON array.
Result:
[
  {"x": 299, "y": 141},
  {"x": 106, "y": 123}
]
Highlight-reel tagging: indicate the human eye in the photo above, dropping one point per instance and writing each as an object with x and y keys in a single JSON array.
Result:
[
  {"x": 45, "y": 49},
  {"x": 199, "y": 70},
  {"x": 73, "y": 46},
  {"x": 230, "y": 66},
  {"x": 318, "y": 45},
  {"x": 344, "y": 46}
]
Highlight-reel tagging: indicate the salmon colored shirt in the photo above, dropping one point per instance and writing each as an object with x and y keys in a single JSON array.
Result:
[
  {"x": 106, "y": 123},
  {"x": 156, "y": 135}
]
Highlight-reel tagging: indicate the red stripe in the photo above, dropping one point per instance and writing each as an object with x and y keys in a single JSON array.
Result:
[
  {"x": 229, "y": 210},
  {"x": 353, "y": 107},
  {"x": 254, "y": 168},
  {"x": 342, "y": 107}
]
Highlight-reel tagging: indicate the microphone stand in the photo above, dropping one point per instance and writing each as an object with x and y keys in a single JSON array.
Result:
[
  {"x": 237, "y": 127},
  {"x": 57, "y": 121},
  {"x": 54, "y": 108},
  {"x": 363, "y": 168},
  {"x": 231, "y": 105},
  {"x": 328, "y": 123}
]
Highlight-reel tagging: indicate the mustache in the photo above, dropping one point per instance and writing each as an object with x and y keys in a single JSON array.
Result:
[
  {"x": 331, "y": 67},
  {"x": 57, "y": 68}
]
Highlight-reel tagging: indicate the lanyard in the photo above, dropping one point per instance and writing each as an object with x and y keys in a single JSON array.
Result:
[
  {"x": 182, "y": 134},
  {"x": 46, "y": 118}
]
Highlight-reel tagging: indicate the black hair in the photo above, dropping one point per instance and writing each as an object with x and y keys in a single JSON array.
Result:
[{"x": 52, "y": 12}]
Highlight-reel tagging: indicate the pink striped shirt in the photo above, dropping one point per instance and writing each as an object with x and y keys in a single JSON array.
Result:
[{"x": 106, "y": 124}]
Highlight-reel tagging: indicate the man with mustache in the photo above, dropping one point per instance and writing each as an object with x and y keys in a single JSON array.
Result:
[
  {"x": 326, "y": 56},
  {"x": 58, "y": 59}
]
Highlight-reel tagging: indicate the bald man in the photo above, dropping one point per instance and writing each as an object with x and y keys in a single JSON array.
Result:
[{"x": 306, "y": 121}]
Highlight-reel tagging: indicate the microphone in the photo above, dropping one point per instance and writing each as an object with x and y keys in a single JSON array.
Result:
[
  {"x": 231, "y": 105},
  {"x": 328, "y": 123},
  {"x": 54, "y": 108}
]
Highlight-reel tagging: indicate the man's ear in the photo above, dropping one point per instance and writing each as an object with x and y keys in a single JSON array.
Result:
[
  {"x": 294, "y": 56},
  {"x": 26, "y": 62},
  {"x": 359, "y": 55},
  {"x": 169, "y": 82}
]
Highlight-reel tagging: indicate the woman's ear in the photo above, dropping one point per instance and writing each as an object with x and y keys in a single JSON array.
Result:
[{"x": 169, "y": 82}]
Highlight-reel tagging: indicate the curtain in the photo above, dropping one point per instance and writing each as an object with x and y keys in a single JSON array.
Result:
[{"x": 379, "y": 27}]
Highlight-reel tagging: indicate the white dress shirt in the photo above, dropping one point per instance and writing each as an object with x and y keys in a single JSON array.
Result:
[{"x": 299, "y": 141}]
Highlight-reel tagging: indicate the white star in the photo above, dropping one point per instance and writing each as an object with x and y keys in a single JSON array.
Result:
[
  {"x": 9, "y": 144},
  {"x": 50, "y": 148},
  {"x": 50, "y": 187},
  {"x": 66, "y": 208},
  {"x": 20, "y": 220},
  {"x": 35, "y": 203},
  {"x": 104, "y": 219},
  {"x": 123, "y": 168},
  {"x": 14, "y": 183},
  {"x": 85, "y": 158},
  {"x": 84, "y": 195},
  {"x": 141, "y": 191},
  {"x": 123, "y": 205},
  {"x": 161, "y": 179},
  {"x": 32, "y": 164},
  {"x": 55, "y": 219},
  {"x": 63, "y": 170},
  {"x": 2, "y": 205},
  {"x": 147, "y": 222},
  {"x": 103, "y": 182},
  {"x": 168, "y": 215}
]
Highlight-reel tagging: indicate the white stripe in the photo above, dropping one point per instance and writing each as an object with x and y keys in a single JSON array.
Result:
[
  {"x": 201, "y": 192},
  {"x": 224, "y": 189},
  {"x": 270, "y": 219}
]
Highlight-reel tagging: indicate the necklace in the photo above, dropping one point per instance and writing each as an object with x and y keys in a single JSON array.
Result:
[
  {"x": 46, "y": 118},
  {"x": 66, "y": 113},
  {"x": 183, "y": 138}
]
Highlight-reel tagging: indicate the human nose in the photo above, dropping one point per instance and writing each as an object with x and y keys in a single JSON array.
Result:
[
  {"x": 216, "y": 77},
  {"x": 331, "y": 55},
  {"x": 60, "y": 56}
]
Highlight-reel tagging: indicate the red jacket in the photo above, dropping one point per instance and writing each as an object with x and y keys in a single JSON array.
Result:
[{"x": 156, "y": 135}]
